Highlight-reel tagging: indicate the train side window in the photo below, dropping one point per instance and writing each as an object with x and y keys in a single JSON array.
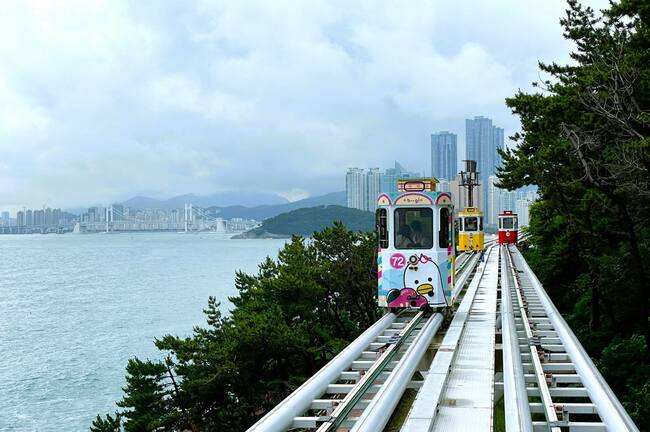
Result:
[
  {"x": 443, "y": 232},
  {"x": 516, "y": 223},
  {"x": 413, "y": 228},
  {"x": 500, "y": 223},
  {"x": 480, "y": 223},
  {"x": 382, "y": 227}
]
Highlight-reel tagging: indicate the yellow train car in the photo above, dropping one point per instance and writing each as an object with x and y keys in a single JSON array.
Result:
[{"x": 470, "y": 230}]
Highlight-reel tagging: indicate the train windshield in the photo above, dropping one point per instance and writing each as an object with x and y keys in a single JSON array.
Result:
[
  {"x": 508, "y": 223},
  {"x": 413, "y": 228},
  {"x": 471, "y": 224}
]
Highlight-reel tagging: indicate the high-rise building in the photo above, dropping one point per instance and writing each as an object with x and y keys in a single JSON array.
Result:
[
  {"x": 523, "y": 212},
  {"x": 391, "y": 175},
  {"x": 48, "y": 217},
  {"x": 39, "y": 218},
  {"x": 355, "y": 189},
  {"x": 499, "y": 200},
  {"x": 363, "y": 187},
  {"x": 482, "y": 140},
  {"x": 56, "y": 216},
  {"x": 29, "y": 218},
  {"x": 373, "y": 188},
  {"x": 5, "y": 218},
  {"x": 20, "y": 218},
  {"x": 444, "y": 156}
]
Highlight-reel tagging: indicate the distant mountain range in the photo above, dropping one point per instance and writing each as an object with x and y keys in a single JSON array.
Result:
[
  {"x": 266, "y": 211},
  {"x": 244, "y": 205},
  {"x": 224, "y": 199}
]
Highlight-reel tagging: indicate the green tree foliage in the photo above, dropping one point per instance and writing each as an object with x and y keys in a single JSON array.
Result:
[
  {"x": 288, "y": 320},
  {"x": 147, "y": 401},
  {"x": 584, "y": 143},
  {"x": 305, "y": 221},
  {"x": 107, "y": 424}
]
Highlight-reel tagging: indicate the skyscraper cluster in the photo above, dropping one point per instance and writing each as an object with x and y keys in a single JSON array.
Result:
[
  {"x": 363, "y": 186},
  {"x": 499, "y": 200},
  {"x": 483, "y": 140},
  {"x": 40, "y": 218}
]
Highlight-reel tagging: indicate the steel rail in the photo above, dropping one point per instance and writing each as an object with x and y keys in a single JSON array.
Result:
[
  {"x": 281, "y": 416},
  {"x": 342, "y": 411},
  {"x": 609, "y": 407},
  {"x": 287, "y": 413},
  {"x": 517, "y": 411},
  {"x": 464, "y": 273},
  {"x": 378, "y": 413},
  {"x": 547, "y": 400}
]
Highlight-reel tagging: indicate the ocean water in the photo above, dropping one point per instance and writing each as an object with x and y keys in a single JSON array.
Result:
[{"x": 75, "y": 308}]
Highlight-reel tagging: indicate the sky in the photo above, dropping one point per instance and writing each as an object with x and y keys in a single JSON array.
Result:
[{"x": 104, "y": 100}]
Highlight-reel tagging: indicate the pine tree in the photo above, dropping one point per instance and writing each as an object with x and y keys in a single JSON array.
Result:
[
  {"x": 146, "y": 401},
  {"x": 107, "y": 424}
]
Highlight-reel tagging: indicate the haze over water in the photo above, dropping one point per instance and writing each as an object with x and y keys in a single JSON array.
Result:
[{"x": 75, "y": 308}]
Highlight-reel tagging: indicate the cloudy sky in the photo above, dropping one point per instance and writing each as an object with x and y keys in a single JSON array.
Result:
[{"x": 103, "y": 100}]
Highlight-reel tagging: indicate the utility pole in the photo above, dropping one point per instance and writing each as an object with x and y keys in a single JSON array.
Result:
[{"x": 469, "y": 180}]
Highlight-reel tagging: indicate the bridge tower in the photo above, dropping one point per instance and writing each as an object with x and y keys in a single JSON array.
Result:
[
  {"x": 189, "y": 216},
  {"x": 109, "y": 217}
]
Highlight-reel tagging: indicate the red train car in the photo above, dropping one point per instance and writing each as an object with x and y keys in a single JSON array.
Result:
[{"x": 508, "y": 227}]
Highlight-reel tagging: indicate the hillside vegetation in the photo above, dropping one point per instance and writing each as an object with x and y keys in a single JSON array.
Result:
[
  {"x": 586, "y": 144},
  {"x": 306, "y": 221}
]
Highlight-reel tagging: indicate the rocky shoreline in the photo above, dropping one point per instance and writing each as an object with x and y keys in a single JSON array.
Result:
[{"x": 259, "y": 234}]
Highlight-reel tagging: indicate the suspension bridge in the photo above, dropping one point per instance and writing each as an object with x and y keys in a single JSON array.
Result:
[{"x": 506, "y": 352}]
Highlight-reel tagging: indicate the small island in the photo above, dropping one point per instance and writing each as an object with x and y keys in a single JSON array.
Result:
[{"x": 306, "y": 221}]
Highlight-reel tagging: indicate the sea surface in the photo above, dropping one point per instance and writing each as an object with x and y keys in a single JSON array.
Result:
[{"x": 75, "y": 308}]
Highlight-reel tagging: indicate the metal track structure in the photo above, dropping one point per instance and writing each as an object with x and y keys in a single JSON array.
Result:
[
  {"x": 360, "y": 387},
  {"x": 549, "y": 381},
  {"x": 563, "y": 389},
  {"x": 458, "y": 391}
]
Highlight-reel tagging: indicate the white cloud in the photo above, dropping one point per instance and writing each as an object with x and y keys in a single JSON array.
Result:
[
  {"x": 114, "y": 98},
  {"x": 19, "y": 116}
]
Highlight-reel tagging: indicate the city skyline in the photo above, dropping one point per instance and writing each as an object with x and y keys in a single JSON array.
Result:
[
  {"x": 485, "y": 138},
  {"x": 117, "y": 217},
  {"x": 363, "y": 187},
  {"x": 133, "y": 100}
]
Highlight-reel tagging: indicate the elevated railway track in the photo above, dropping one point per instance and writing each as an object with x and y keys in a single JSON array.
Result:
[{"x": 505, "y": 322}]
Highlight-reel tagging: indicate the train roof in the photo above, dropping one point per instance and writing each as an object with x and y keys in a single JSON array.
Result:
[
  {"x": 470, "y": 211},
  {"x": 422, "y": 198}
]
